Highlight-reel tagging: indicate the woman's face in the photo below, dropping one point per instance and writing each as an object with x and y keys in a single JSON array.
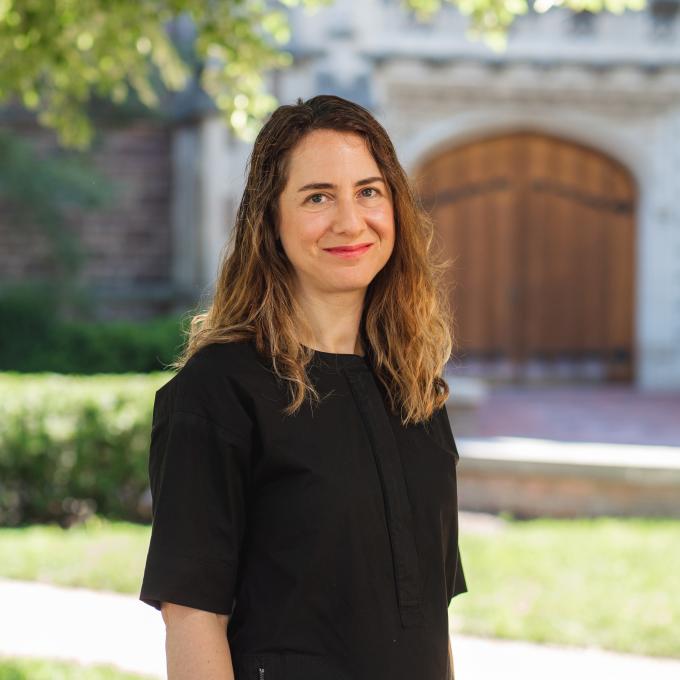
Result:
[{"x": 335, "y": 197}]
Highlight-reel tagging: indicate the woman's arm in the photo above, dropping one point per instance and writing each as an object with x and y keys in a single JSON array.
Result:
[
  {"x": 196, "y": 644},
  {"x": 453, "y": 675}
]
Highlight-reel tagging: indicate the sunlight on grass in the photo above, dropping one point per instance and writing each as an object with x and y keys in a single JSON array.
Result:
[
  {"x": 30, "y": 669},
  {"x": 98, "y": 554},
  {"x": 607, "y": 582}
]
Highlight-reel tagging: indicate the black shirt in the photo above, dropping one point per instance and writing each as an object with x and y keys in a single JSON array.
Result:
[{"x": 329, "y": 536}]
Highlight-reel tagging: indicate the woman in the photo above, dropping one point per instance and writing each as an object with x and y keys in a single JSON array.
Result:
[{"x": 302, "y": 465}]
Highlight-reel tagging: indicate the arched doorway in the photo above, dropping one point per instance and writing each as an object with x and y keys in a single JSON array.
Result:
[{"x": 541, "y": 231}]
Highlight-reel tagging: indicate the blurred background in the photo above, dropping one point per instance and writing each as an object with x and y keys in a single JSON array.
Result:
[{"x": 544, "y": 140}]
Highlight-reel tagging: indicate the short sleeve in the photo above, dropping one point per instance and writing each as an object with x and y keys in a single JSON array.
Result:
[
  {"x": 199, "y": 477},
  {"x": 458, "y": 585},
  {"x": 442, "y": 426}
]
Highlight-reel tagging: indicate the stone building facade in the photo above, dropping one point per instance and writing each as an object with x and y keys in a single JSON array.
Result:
[
  {"x": 569, "y": 138},
  {"x": 586, "y": 108}
]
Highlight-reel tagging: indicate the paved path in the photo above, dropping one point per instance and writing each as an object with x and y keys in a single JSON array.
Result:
[
  {"x": 44, "y": 621},
  {"x": 618, "y": 414},
  {"x": 41, "y": 620}
]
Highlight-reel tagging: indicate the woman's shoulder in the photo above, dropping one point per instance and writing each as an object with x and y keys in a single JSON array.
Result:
[
  {"x": 226, "y": 358},
  {"x": 211, "y": 381}
]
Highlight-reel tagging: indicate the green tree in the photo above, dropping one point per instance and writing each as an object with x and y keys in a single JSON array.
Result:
[{"x": 57, "y": 55}]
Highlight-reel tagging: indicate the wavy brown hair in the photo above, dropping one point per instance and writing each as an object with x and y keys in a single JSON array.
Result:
[{"x": 405, "y": 323}]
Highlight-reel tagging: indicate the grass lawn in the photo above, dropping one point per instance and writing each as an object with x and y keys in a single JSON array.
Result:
[
  {"x": 30, "y": 669},
  {"x": 99, "y": 554},
  {"x": 604, "y": 582}
]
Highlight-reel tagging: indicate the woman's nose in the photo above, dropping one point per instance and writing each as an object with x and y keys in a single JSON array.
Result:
[{"x": 348, "y": 218}]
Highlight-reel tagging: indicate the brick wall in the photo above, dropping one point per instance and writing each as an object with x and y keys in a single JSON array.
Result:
[{"x": 128, "y": 244}]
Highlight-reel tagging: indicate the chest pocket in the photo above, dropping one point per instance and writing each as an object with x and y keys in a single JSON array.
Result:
[{"x": 287, "y": 666}]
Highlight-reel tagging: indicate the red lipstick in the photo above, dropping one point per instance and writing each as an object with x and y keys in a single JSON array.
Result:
[{"x": 349, "y": 251}]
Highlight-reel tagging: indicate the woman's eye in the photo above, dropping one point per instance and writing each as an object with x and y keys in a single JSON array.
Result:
[
  {"x": 309, "y": 198},
  {"x": 371, "y": 189}
]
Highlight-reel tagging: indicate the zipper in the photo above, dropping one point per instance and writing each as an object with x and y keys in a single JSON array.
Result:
[{"x": 260, "y": 671}]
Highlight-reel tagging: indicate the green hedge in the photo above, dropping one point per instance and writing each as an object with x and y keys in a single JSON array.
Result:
[
  {"x": 74, "y": 445},
  {"x": 36, "y": 337}
]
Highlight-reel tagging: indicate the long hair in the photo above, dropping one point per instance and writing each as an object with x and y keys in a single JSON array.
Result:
[{"x": 406, "y": 322}]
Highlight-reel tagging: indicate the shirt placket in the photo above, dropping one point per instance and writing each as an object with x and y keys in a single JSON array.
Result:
[{"x": 395, "y": 496}]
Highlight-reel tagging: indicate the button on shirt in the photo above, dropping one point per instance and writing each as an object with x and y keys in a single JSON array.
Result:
[{"x": 330, "y": 536}]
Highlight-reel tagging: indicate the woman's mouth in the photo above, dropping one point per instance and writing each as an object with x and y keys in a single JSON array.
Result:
[{"x": 349, "y": 251}]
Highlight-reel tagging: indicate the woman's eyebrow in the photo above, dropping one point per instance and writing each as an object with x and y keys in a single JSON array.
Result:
[{"x": 327, "y": 185}]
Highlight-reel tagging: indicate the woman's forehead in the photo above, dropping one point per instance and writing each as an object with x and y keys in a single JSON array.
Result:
[{"x": 323, "y": 158}]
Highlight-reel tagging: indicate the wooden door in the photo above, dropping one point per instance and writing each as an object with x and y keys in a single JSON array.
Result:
[{"x": 541, "y": 235}]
